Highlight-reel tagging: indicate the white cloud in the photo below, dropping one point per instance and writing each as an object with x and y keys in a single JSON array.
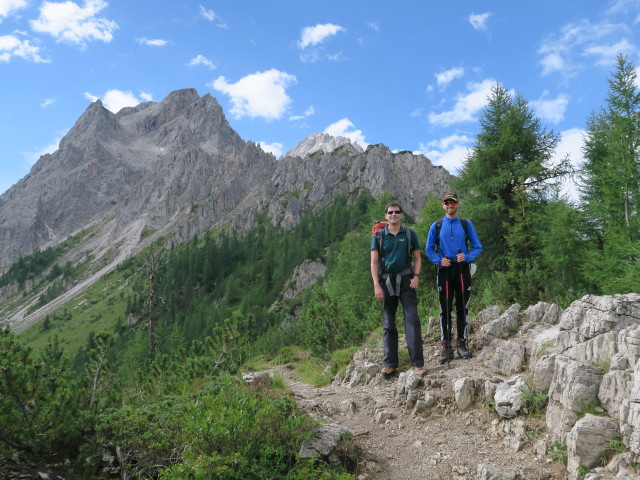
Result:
[
  {"x": 571, "y": 143},
  {"x": 115, "y": 100},
  {"x": 373, "y": 26},
  {"x": 68, "y": 22},
  {"x": 624, "y": 7},
  {"x": 307, "y": 113},
  {"x": 551, "y": 109},
  {"x": 8, "y": 6},
  {"x": 274, "y": 148},
  {"x": 467, "y": 105},
  {"x": 564, "y": 52},
  {"x": 606, "y": 54},
  {"x": 201, "y": 60},
  {"x": 152, "y": 42},
  {"x": 47, "y": 102},
  {"x": 11, "y": 46},
  {"x": 552, "y": 62},
  {"x": 448, "y": 152},
  {"x": 448, "y": 76},
  {"x": 311, "y": 36},
  {"x": 261, "y": 94},
  {"x": 343, "y": 128},
  {"x": 207, "y": 14},
  {"x": 336, "y": 57},
  {"x": 479, "y": 21},
  {"x": 212, "y": 16}
]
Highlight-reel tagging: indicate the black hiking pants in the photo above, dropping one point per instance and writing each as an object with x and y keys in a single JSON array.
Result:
[
  {"x": 413, "y": 333},
  {"x": 454, "y": 281}
]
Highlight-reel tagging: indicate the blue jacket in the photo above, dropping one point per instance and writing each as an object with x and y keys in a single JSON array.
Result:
[{"x": 452, "y": 239}]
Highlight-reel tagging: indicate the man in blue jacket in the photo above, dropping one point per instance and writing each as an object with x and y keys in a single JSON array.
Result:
[{"x": 446, "y": 247}]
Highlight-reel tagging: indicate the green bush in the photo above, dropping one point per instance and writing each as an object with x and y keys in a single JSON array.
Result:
[{"x": 225, "y": 431}]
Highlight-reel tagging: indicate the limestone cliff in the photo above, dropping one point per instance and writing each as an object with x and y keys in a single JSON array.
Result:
[{"x": 177, "y": 167}]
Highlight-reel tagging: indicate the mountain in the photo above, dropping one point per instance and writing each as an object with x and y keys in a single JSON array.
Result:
[
  {"x": 144, "y": 168},
  {"x": 320, "y": 142},
  {"x": 177, "y": 168}
]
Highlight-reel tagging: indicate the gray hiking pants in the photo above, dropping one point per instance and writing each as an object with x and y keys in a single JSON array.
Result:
[{"x": 412, "y": 330}]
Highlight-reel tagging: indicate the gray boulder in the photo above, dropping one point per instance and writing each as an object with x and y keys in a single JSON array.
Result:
[
  {"x": 489, "y": 314},
  {"x": 588, "y": 443},
  {"x": 543, "y": 312},
  {"x": 509, "y": 398},
  {"x": 574, "y": 387},
  {"x": 467, "y": 391},
  {"x": 503, "y": 327},
  {"x": 489, "y": 472},
  {"x": 325, "y": 440},
  {"x": 506, "y": 356},
  {"x": 589, "y": 327}
]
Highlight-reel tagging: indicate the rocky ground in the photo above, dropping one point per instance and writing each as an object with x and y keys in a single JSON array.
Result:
[{"x": 441, "y": 442}]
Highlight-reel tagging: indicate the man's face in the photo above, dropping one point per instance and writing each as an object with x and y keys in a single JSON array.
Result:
[
  {"x": 393, "y": 214},
  {"x": 450, "y": 207}
]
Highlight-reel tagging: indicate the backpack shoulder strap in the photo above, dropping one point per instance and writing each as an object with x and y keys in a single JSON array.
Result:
[
  {"x": 409, "y": 233},
  {"x": 438, "y": 228},
  {"x": 379, "y": 239},
  {"x": 465, "y": 226}
]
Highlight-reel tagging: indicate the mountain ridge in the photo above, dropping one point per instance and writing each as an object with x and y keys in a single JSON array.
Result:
[{"x": 176, "y": 168}]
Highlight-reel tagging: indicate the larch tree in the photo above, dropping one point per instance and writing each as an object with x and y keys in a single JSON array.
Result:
[
  {"x": 505, "y": 184},
  {"x": 611, "y": 183}
]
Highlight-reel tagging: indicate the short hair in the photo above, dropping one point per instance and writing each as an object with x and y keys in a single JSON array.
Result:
[{"x": 393, "y": 204}]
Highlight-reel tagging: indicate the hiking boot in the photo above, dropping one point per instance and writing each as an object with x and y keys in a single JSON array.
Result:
[
  {"x": 387, "y": 372},
  {"x": 447, "y": 352},
  {"x": 463, "y": 351},
  {"x": 422, "y": 370}
]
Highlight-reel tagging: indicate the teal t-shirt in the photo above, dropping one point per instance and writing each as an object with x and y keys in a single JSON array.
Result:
[{"x": 395, "y": 249}]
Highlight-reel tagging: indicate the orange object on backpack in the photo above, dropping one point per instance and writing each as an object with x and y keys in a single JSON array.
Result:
[{"x": 377, "y": 226}]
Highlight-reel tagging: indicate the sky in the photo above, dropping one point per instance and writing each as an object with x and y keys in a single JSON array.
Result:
[{"x": 414, "y": 75}]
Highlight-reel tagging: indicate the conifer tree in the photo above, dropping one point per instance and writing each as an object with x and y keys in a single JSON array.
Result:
[
  {"x": 611, "y": 182},
  {"x": 505, "y": 182}
]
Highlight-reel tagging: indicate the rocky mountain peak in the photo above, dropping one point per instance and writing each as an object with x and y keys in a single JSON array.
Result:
[
  {"x": 321, "y": 142},
  {"x": 176, "y": 168},
  {"x": 96, "y": 123}
]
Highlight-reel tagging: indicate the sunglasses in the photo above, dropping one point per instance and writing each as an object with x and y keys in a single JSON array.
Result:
[
  {"x": 450, "y": 202},
  {"x": 391, "y": 212}
]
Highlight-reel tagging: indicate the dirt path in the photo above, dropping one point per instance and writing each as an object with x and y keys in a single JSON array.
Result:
[{"x": 442, "y": 443}]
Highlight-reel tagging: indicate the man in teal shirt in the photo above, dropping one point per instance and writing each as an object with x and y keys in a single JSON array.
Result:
[{"x": 395, "y": 281}]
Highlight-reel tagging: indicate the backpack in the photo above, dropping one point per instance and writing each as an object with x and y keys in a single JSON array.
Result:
[
  {"x": 377, "y": 226},
  {"x": 465, "y": 226}
]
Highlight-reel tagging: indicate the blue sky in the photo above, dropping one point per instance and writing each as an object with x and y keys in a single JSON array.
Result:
[{"x": 414, "y": 75}]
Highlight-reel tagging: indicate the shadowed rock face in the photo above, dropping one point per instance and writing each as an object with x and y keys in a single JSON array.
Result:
[{"x": 177, "y": 166}]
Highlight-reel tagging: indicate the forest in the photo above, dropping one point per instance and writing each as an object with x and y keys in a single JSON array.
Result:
[{"x": 159, "y": 395}]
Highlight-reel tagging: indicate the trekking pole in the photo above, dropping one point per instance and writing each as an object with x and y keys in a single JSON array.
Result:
[
  {"x": 448, "y": 323},
  {"x": 464, "y": 300}
]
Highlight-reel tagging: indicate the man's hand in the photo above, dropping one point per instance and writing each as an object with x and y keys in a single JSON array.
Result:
[
  {"x": 378, "y": 292},
  {"x": 460, "y": 257},
  {"x": 414, "y": 282},
  {"x": 445, "y": 262}
]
